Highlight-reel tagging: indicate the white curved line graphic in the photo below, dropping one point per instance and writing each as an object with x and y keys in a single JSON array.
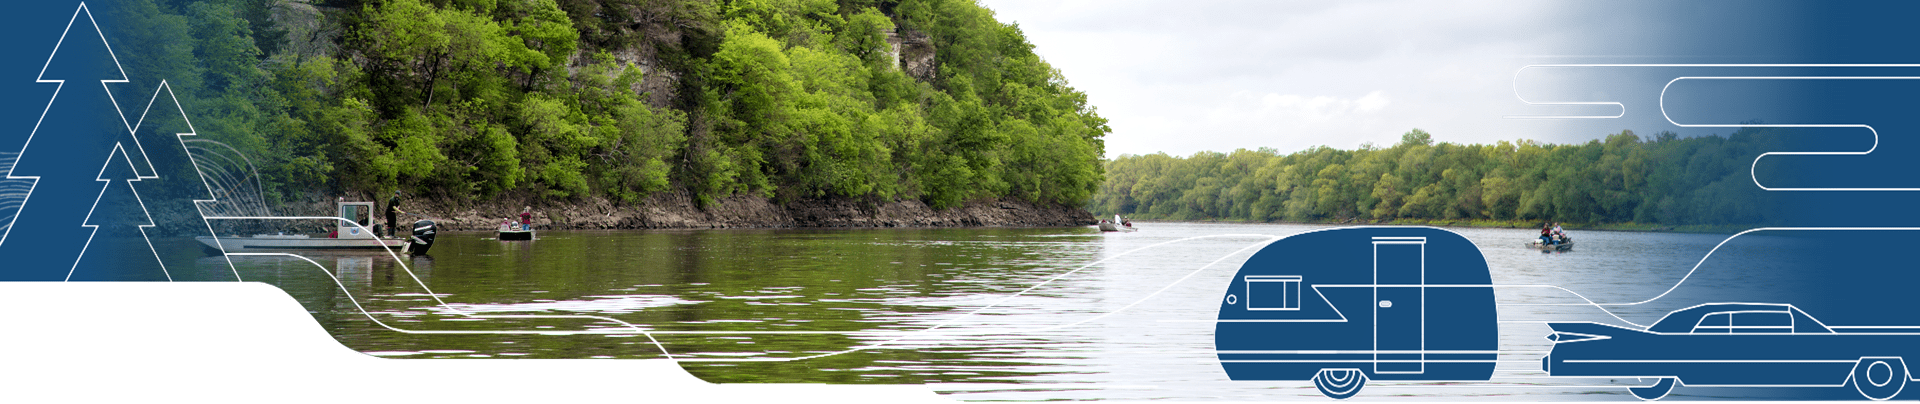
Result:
[
  {"x": 664, "y": 351},
  {"x": 1696, "y": 268},
  {"x": 1516, "y": 94},
  {"x": 1756, "y": 160}
]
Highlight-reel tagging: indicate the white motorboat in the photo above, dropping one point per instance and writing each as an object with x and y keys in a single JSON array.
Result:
[{"x": 347, "y": 235}]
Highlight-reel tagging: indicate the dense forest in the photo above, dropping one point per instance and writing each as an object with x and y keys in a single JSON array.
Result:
[
  {"x": 1702, "y": 181},
  {"x": 558, "y": 100},
  {"x": 553, "y": 101}
]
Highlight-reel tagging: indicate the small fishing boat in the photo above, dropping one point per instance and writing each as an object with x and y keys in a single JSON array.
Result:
[
  {"x": 1117, "y": 224},
  {"x": 347, "y": 235},
  {"x": 1543, "y": 247},
  {"x": 510, "y": 234},
  {"x": 516, "y": 231}
]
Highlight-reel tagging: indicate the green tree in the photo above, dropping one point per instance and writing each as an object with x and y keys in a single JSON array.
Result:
[{"x": 1618, "y": 179}]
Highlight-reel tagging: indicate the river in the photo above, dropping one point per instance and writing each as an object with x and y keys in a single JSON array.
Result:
[{"x": 976, "y": 313}]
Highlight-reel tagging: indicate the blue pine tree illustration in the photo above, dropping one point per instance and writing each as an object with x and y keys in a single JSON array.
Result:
[
  {"x": 61, "y": 155},
  {"x": 119, "y": 249}
]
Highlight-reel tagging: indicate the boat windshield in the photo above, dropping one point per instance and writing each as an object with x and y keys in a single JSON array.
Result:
[{"x": 358, "y": 213}]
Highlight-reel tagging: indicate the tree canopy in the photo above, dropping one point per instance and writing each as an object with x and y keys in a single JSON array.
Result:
[
  {"x": 1620, "y": 179},
  {"x": 620, "y": 99}
]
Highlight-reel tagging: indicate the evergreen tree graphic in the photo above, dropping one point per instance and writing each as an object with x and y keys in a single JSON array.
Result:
[
  {"x": 80, "y": 122},
  {"x": 119, "y": 248},
  {"x": 178, "y": 194}
]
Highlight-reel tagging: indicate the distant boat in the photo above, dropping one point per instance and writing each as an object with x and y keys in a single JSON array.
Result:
[
  {"x": 1563, "y": 246},
  {"x": 347, "y": 235},
  {"x": 1117, "y": 224},
  {"x": 505, "y": 234}
]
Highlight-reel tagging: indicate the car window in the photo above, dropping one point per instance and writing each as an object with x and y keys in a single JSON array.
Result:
[
  {"x": 1716, "y": 323},
  {"x": 1762, "y": 322},
  {"x": 1805, "y": 324}
]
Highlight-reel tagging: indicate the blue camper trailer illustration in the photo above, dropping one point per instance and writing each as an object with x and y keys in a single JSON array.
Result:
[{"x": 1343, "y": 306}]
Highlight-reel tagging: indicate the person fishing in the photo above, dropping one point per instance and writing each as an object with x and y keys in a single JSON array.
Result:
[
  {"x": 526, "y": 218},
  {"x": 1546, "y": 233},
  {"x": 393, "y": 213},
  {"x": 1560, "y": 236}
]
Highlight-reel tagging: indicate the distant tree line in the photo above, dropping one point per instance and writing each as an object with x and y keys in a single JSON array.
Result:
[
  {"x": 543, "y": 99},
  {"x": 1621, "y": 179}
]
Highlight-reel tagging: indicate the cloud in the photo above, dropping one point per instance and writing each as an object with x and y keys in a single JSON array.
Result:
[
  {"x": 1244, "y": 106},
  {"x": 1181, "y": 77}
]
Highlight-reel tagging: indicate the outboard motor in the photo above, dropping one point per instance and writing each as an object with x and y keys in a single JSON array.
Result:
[{"x": 422, "y": 240}]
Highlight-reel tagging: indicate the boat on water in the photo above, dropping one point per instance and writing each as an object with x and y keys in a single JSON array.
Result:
[
  {"x": 517, "y": 231},
  {"x": 297, "y": 242},
  {"x": 1118, "y": 224},
  {"x": 510, "y": 234},
  {"x": 356, "y": 234},
  {"x": 1551, "y": 232},
  {"x": 1543, "y": 247}
]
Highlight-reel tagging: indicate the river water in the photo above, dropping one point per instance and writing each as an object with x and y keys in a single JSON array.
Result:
[{"x": 978, "y": 314}]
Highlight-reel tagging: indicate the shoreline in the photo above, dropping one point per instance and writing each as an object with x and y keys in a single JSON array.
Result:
[
  {"x": 677, "y": 210},
  {"x": 1494, "y": 224}
]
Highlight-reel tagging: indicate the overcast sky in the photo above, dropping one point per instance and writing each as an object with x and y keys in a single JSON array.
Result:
[{"x": 1185, "y": 76}]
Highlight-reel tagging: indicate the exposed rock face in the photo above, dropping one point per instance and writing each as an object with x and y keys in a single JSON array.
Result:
[
  {"x": 678, "y": 211},
  {"x": 914, "y": 52},
  {"x": 307, "y": 31}
]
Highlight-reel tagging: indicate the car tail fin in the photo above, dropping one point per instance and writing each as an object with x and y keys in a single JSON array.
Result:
[
  {"x": 1585, "y": 331},
  {"x": 1561, "y": 337}
]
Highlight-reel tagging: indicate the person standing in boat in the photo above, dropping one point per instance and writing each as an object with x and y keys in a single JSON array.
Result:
[
  {"x": 393, "y": 213},
  {"x": 526, "y": 218}
]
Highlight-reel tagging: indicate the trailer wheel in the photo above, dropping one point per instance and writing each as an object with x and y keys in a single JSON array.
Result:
[
  {"x": 1339, "y": 384},
  {"x": 1879, "y": 378},
  {"x": 1656, "y": 391}
]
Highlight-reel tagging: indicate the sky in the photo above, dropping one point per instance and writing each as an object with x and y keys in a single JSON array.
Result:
[{"x": 1181, "y": 76}]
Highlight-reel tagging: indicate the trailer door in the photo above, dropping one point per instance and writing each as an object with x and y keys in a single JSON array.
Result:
[{"x": 1399, "y": 310}]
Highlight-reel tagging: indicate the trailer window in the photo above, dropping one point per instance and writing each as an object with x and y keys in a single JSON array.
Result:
[{"x": 1273, "y": 292}]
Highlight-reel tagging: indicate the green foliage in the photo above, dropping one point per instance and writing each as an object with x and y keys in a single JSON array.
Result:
[
  {"x": 803, "y": 100},
  {"x": 468, "y": 99},
  {"x": 1622, "y": 179}
]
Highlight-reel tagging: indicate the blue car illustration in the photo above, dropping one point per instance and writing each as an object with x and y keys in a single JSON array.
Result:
[
  {"x": 1343, "y": 306},
  {"x": 1737, "y": 344}
]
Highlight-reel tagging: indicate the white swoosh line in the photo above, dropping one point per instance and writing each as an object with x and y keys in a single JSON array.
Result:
[{"x": 1756, "y": 160}]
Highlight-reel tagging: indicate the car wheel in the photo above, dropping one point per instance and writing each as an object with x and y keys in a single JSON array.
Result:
[
  {"x": 1879, "y": 378},
  {"x": 1656, "y": 391},
  {"x": 1339, "y": 384}
]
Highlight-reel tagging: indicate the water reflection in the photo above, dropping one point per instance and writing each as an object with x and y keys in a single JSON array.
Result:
[{"x": 936, "y": 306}]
